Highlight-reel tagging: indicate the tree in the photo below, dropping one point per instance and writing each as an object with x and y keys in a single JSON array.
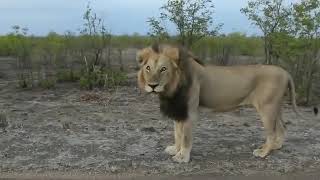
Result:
[
  {"x": 21, "y": 48},
  {"x": 95, "y": 36},
  {"x": 193, "y": 20},
  {"x": 157, "y": 31},
  {"x": 291, "y": 38},
  {"x": 271, "y": 17},
  {"x": 306, "y": 16}
]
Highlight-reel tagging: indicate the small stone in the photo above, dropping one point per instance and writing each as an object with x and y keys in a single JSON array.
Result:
[
  {"x": 134, "y": 165},
  {"x": 246, "y": 124},
  {"x": 148, "y": 129},
  {"x": 66, "y": 125},
  {"x": 288, "y": 123},
  {"x": 197, "y": 167},
  {"x": 113, "y": 169},
  {"x": 102, "y": 129}
]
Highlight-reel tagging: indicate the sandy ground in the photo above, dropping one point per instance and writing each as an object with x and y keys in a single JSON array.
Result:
[{"x": 66, "y": 131}]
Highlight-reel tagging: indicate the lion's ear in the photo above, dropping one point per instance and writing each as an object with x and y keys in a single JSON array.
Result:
[
  {"x": 142, "y": 56},
  {"x": 172, "y": 53}
]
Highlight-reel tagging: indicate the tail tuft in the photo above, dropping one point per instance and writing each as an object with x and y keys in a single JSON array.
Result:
[{"x": 315, "y": 110}]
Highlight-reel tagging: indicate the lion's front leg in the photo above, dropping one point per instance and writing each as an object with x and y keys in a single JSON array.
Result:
[
  {"x": 183, "y": 154},
  {"x": 174, "y": 149},
  {"x": 183, "y": 128}
]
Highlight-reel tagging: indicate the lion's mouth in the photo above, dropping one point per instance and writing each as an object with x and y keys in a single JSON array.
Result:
[{"x": 154, "y": 92}]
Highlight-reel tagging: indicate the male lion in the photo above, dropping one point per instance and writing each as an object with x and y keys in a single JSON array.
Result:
[{"x": 183, "y": 84}]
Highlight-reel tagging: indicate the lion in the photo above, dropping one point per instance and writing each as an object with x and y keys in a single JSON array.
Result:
[{"x": 183, "y": 84}]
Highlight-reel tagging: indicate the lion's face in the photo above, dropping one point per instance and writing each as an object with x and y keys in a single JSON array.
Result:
[{"x": 158, "y": 73}]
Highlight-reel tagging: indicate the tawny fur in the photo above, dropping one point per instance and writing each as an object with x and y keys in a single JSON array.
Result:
[{"x": 221, "y": 88}]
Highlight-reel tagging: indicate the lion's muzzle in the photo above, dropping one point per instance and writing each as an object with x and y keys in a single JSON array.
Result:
[{"x": 153, "y": 88}]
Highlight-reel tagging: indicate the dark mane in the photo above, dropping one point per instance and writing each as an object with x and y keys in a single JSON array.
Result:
[
  {"x": 197, "y": 60},
  {"x": 176, "y": 105}
]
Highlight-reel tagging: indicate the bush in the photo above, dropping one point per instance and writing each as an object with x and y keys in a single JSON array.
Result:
[
  {"x": 85, "y": 83},
  {"x": 68, "y": 76},
  {"x": 102, "y": 79},
  {"x": 24, "y": 81},
  {"x": 116, "y": 78},
  {"x": 48, "y": 83}
]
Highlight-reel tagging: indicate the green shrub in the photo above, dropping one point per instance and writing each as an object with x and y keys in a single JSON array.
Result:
[
  {"x": 102, "y": 79},
  {"x": 68, "y": 76},
  {"x": 115, "y": 78},
  {"x": 85, "y": 82},
  {"x": 48, "y": 83},
  {"x": 24, "y": 81}
]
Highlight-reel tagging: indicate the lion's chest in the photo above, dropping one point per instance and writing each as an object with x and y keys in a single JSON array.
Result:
[{"x": 175, "y": 107}]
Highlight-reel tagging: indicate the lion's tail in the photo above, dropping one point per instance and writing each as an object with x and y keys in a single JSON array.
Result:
[{"x": 293, "y": 96}]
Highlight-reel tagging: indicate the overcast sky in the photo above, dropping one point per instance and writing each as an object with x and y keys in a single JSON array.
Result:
[{"x": 121, "y": 16}]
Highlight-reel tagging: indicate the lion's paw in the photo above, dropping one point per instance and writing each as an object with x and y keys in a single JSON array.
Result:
[
  {"x": 172, "y": 150},
  {"x": 260, "y": 153},
  {"x": 181, "y": 157}
]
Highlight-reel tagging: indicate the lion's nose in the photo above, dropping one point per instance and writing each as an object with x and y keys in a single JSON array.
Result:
[{"x": 153, "y": 85}]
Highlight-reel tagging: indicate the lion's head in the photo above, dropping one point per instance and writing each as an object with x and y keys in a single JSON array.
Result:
[{"x": 159, "y": 69}]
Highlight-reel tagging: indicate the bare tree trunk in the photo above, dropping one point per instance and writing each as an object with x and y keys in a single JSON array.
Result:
[
  {"x": 272, "y": 56},
  {"x": 296, "y": 72},
  {"x": 312, "y": 76},
  {"x": 309, "y": 87},
  {"x": 225, "y": 56},
  {"x": 109, "y": 57},
  {"x": 86, "y": 62},
  {"x": 269, "y": 61},
  {"x": 120, "y": 59},
  {"x": 266, "y": 50}
]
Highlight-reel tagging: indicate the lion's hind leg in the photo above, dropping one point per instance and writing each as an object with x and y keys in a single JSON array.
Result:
[
  {"x": 280, "y": 131},
  {"x": 274, "y": 133}
]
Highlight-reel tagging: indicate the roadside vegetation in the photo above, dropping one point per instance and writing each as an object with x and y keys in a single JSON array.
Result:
[{"x": 290, "y": 39}]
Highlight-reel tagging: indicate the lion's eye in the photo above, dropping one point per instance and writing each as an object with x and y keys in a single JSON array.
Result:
[
  {"x": 148, "y": 68},
  {"x": 163, "y": 69}
]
